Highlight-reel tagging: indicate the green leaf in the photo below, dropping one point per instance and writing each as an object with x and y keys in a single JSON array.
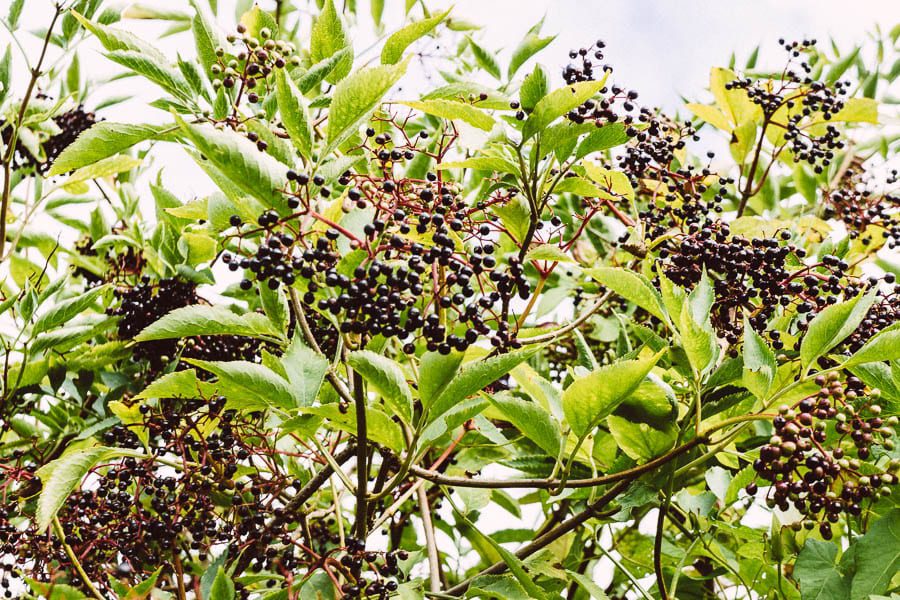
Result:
[
  {"x": 759, "y": 363},
  {"x": 207, "y": 36},
  {"x": 535, "y": 87},
  {"x": 305, "y": 369},
  {"x": 548, "y": 252},
  {"x": 400, "y": 40},
  {"x": 831, "y": 326},
  {"x": 450, "y": 109},
  {"x": 874, "y": 557},
  {"x": 588, "y": 585},
  {"x": 61, "y": 476},
  {"x": 528, "y": 47},
  {"x": 113, "y": 39},
  {"x": 482, "y": 163},
  {"x": 200, "y": 319},
  {"x": 387, "y": 378},
  {"x": 817, "y": 574},
  {"x": 381, "y": 428},
  {"x": 559, "y": 102},
  {"x": 257, "y": 19},
  {"x": 632, "y": 286},
  {"x": 248, "y": 385},
  {"x": 642, "y": 441},
  {"x": 178, "y": 384},
  {"x": 222, "y": 586},
  {"x": 743, "y": 478},
  {"x": 356, "y": 97},
  {"x": 67, "y": 310},
  {"x": 294, "y": 113},
  {"x": 159, "y": 72},
  {"x": 590, "y": 399},
  {"x": 327, "y": 38},
  {"x": 858, "y": 110},
  {"x": 253, "y": 172},
  {"x": 15, "y": 11},
  {"x": 697, "y": 334},
  {"x": 98, "y": 170},
  {"x": 884, "y": 345},
  {"x": 436, "y": 370},
  {"x": 275, "y": 306},
  {"x": 579, "y": 186},
  {"x": 615, "y": 184},
  {"x": 5, "y": 73},
  {"x": 54, "y": 591},
  {"x": 604, "y": 138},
  {"x": 532, "y": 420},
  {"x": 711, "y": 114},
  {"x": 485, "y": 59},
  {"x": 474, "y": 376}
]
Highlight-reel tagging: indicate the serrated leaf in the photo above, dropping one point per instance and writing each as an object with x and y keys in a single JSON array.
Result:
[
  {"x": 294, "y": 113},
  {"x": 386, "y": 377},
  {"x": 592, "y": 398},
  {"x": 98, "y": 170},
  {"x": 632, "y": 286},
  {"x": 884, "y": 345},
  {"x": 67, "y": 310},
  {"x": 356, "y": 97},
  {"x": 532, "y": 420},
  {"x": 61, "y": 476},
  {"x": 615, "y": 184},
  {"x": 482, "y": 163},
  {"x": 485, "y": 59},
  {"x": 450, "y": 109},
  {"x": 327, "y": 38},
  {"x": 642, "y": 441},
  {"x": 528, "y": 47},
  {"x": 248, "y": 385},
  {"x": 474, "y": 376},
  {"x": 548, "y": 252},
  {"x": 436, "y": 370},
  {"x": 253, "y": 172},
  {"x": 831, "y": 326},
  {"x": 535, "y": 87},
  {"x": 817, "y": 574},
  {"x": 305, "y": 369},
  {"x": 199, "y": 319},
  {"x": 559, "y": 102},
  {"x": 759, "y": 363},
  {"x": 400, "y": 40},
  {"x": 604, "y": 138}
]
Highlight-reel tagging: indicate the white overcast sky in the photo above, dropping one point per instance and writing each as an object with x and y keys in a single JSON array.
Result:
[{"x": 662, "y": 48}]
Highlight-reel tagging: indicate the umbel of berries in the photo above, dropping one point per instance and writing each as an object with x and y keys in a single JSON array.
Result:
[{"x": 820, "y": 460}]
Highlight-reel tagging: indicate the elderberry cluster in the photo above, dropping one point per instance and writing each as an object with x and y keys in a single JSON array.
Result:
[
  {"x": 147, "y": 302},
  {"x": 870, "y": 217},
  {"x": 822, "y": 474},
  {"x": 753, "y": 275},
  {"x": 70, "y": 124},
  {"x": 245, "y": 69},
  {"x": 803, "y": 101},
  {"x": 384, "y": 568}
]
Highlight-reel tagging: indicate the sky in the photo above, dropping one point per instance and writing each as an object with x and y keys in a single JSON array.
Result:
[{"x": 663, "y": 49}]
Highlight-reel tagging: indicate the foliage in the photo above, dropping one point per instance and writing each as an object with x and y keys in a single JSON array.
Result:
[{"x": 401, "y": 321}]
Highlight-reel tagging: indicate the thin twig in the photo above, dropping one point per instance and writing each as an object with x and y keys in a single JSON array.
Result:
[
  {"x": 434, "y": 561},
  {"x": 11, "y": 149}
]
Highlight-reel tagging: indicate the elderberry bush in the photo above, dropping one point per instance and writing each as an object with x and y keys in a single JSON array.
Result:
[{"x": 405, "y": 334}]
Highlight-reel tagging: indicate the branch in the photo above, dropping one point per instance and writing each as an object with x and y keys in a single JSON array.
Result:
[
  {"x": 441, "y": 479},
  {"x": 434, "y": 560},
  {"x": 11, "y": 149},
  {"x": 593, "y": 510},
  {"x": 362, "y": 451}
]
